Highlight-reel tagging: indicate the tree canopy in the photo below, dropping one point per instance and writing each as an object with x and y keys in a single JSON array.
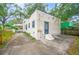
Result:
[
  {"x": 5, "y": 14},
  {"x": 32, "y": 7},
  {"x": 65, "y": 10}
]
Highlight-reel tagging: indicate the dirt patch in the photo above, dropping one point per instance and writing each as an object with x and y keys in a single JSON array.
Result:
[{"x": 21, "y": 45}]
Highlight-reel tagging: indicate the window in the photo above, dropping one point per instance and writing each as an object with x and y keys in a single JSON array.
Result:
[
  {"x": 29, "y": 25},
  {"x": 33, "y": 24},
  {"x": 26, "y": 26}
]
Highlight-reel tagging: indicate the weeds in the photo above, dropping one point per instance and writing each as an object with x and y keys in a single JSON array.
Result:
[
  {"x": 74, "y": 48},
  {"x": 30, "y": 37}
]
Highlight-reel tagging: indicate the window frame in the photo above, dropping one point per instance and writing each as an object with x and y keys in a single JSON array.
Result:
[
  {"x": 26, "y": 27},
  {"x": 46, "y": 27},
  {"x": 33, "y": 24}
]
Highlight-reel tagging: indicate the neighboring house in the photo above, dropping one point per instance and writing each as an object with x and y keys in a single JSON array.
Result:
[
  {"x": 19, "y": 25},
  {"x": 41, "y": 24}
]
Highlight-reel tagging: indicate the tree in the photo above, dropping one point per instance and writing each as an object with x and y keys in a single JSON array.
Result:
[
  {"x": 65, "y": 11},
  {"x": 32, "y": 7},
  {"x": 5, "y": 14},
  {"x": 24, "y": 13}
]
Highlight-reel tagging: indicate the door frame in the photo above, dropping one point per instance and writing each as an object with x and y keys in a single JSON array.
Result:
[{"x": 46, "y": 27}]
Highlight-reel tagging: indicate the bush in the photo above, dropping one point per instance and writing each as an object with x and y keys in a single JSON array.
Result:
[
  {"x": 71, "y": 32},
  {"x": 5, "y": 37}
]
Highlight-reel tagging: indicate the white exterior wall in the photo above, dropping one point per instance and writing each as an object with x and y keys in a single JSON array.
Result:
[
  {"x": 39, "y": 18},
  {"x": 54, "y": 25},
  {"x": 31, "y": 30}
]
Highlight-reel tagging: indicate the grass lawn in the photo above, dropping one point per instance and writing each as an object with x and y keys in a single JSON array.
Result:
[
  {"x": 6, "y": 35},
  {"x": 74, "y": 48}
]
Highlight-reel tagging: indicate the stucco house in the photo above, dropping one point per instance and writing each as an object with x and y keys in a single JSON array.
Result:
[{"x": 42, "y": 25}]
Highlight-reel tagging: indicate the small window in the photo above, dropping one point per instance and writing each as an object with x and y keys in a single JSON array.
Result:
[
  {"x": 29, "y": 25},
  {"x": 33, "y": 24},
  {"x": 26, "y": 26}
]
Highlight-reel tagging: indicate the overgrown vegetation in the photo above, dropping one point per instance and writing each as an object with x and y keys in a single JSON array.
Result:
[
  {"x": 64, "y": 11},
  {"x": 74, "y": 47},
  {"x": 2, "y": 46},
  {"x": 5, "y": 37},
  {"x": 74, "y": 30},
  {"x": 30, "y": 37}
]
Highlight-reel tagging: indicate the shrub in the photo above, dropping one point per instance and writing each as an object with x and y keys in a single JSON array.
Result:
[
  {"x": 71, "y": 32},
  {"x": 5, "y": 36}
]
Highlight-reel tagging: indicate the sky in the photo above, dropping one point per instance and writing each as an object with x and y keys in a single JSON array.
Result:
[{"x": 51, "y": 5}]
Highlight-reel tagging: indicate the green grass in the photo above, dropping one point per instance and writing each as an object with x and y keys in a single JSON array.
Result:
[
  {"x": 30, "y": 37},
  {"x": 74, "y": 48}
]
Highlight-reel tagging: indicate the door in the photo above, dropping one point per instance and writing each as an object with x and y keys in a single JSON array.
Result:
[{"x": 46, "y": 27}]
